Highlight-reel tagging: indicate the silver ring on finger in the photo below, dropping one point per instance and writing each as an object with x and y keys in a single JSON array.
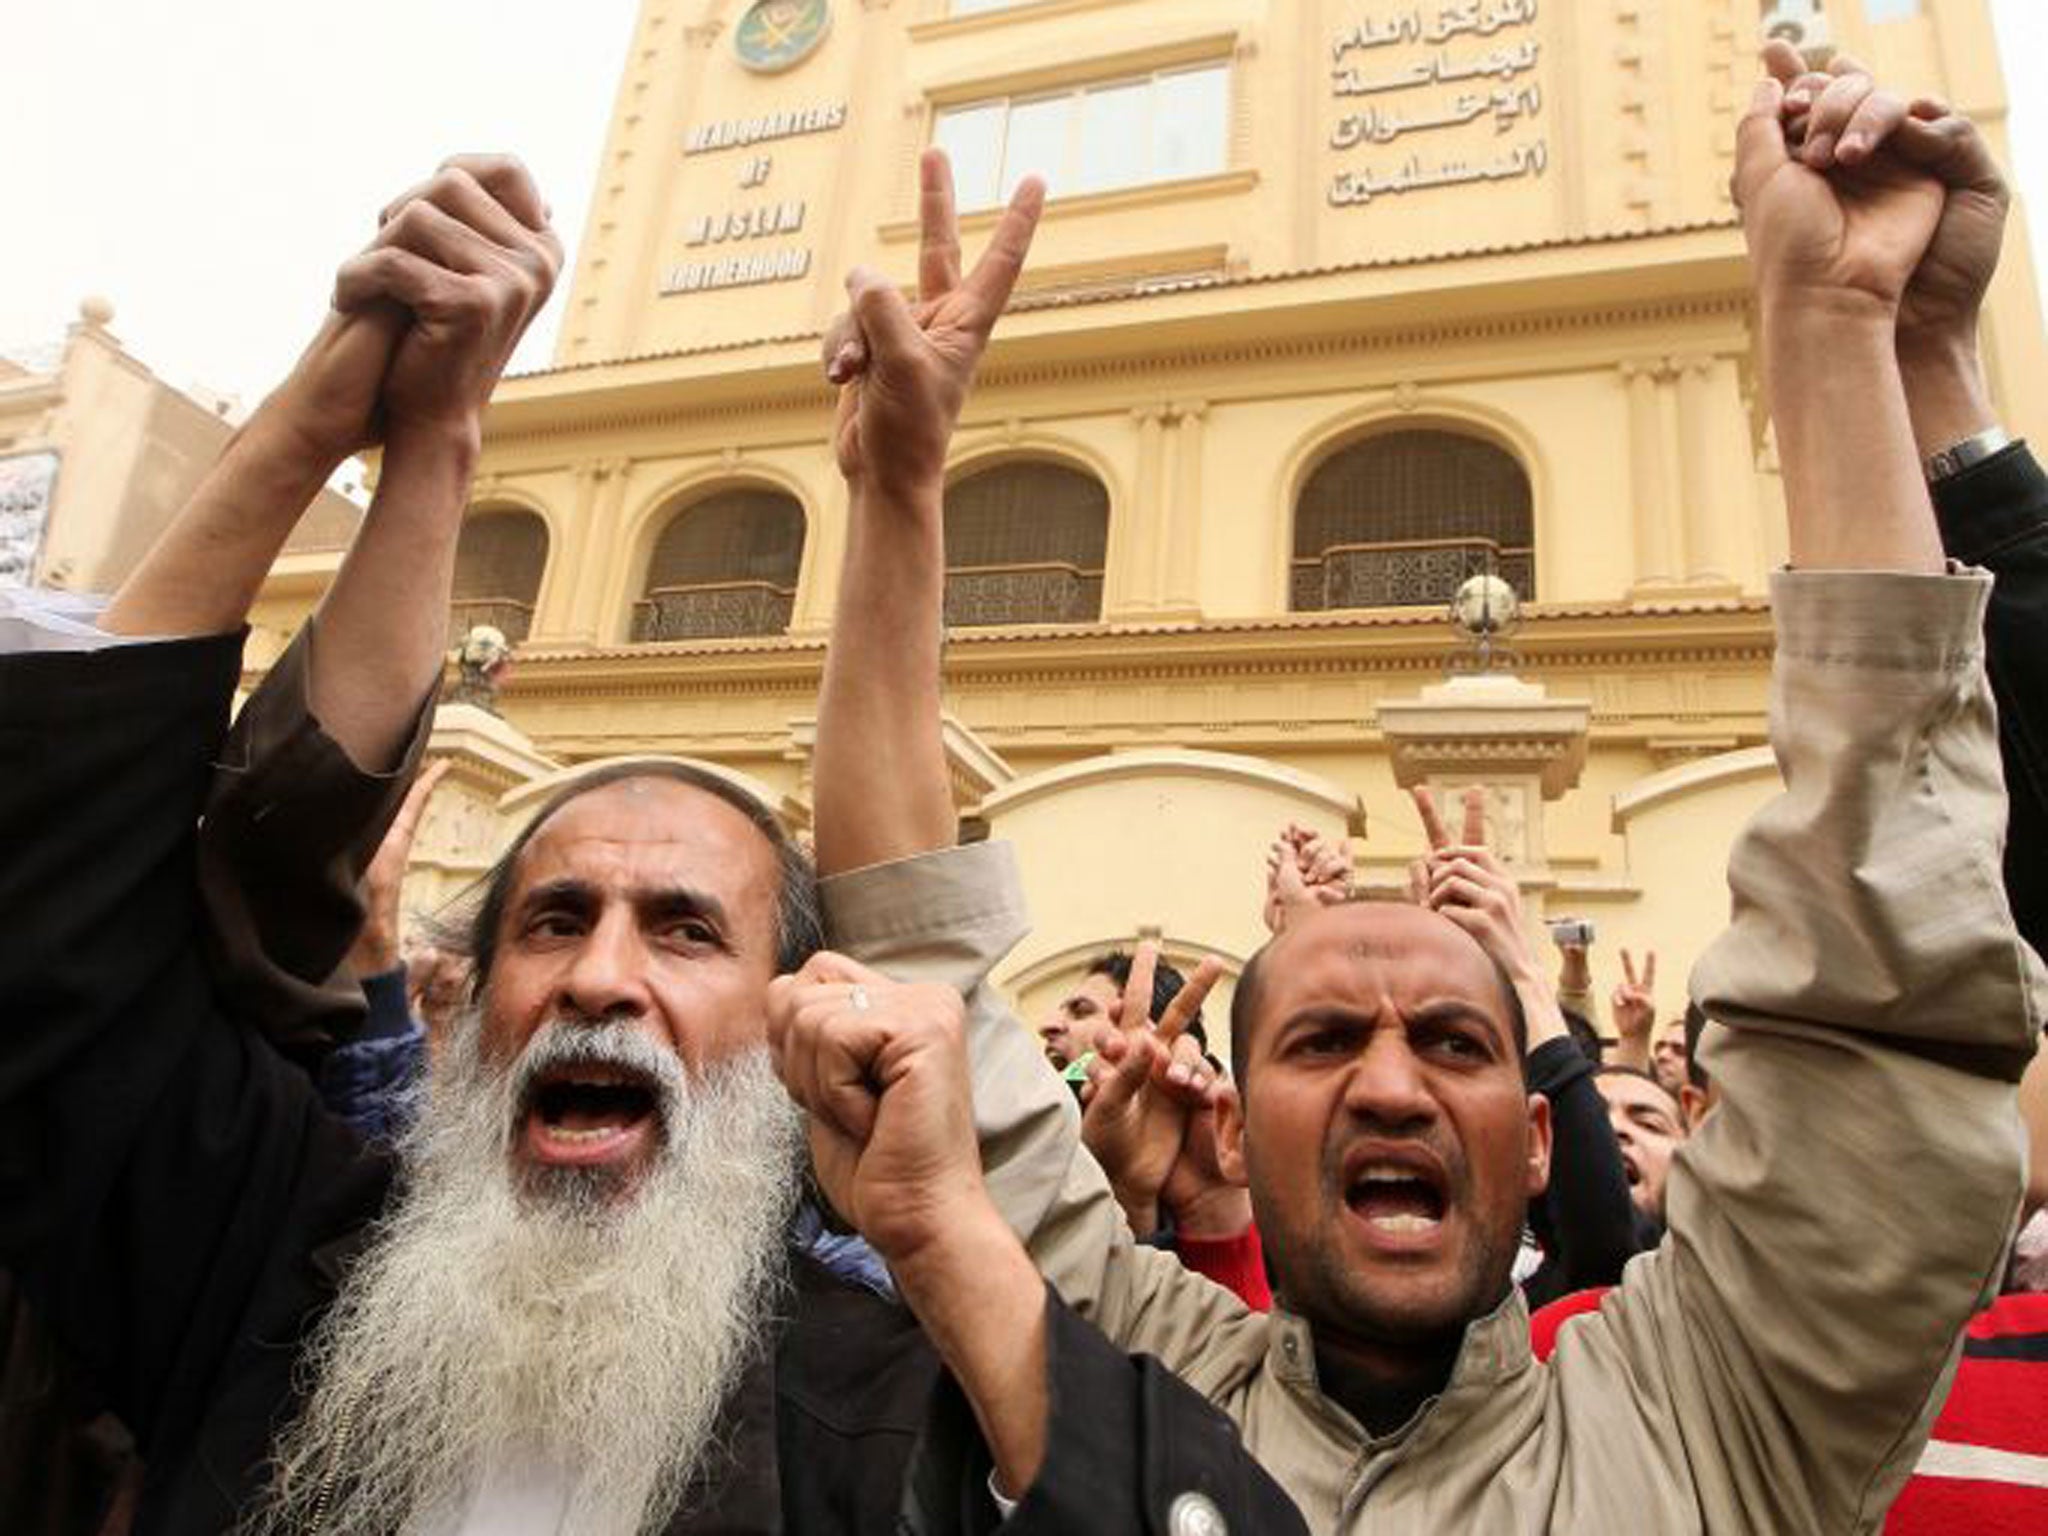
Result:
[{"x": 858, "y": 998}]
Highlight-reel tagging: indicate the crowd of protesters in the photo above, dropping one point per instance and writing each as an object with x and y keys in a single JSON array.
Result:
[{"x": 696, "y": 1182}]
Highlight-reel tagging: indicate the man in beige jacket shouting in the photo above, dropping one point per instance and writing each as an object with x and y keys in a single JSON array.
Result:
[{"x": 1773, "y": 1365}]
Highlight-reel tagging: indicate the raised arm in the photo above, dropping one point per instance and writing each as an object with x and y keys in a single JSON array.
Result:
[
  {"x": 319, "y": 759},
  {"x": 903, "y": 370},
  {"x": 424, "y": 321},
  {"x": 140, "y": 1120},
  {"x": 1871, "y": 1003},
  {"x": 1835, "y": 235}
]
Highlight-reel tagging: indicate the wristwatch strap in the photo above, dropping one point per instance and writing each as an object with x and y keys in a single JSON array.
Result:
[{"x": 1957, "y": 457}]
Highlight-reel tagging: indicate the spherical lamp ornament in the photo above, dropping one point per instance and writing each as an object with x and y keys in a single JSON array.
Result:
[
  {"x": 481, "y": 661},
  {"x": 484, "y": 645},
  {"x": 1486, "y": 607}
]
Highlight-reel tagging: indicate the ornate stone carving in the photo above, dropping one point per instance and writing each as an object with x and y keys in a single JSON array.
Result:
[
  {"x": 713, "y": 611},
  {"x": 1405, "y": 575},
  {"x": 1022, "y": 594},
  {"x": 1510, "y": 737},
  {"x": 508, "y": 616}
]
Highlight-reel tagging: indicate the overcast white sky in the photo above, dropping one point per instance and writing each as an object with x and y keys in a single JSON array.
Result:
[{"x": 207, "y": 165}]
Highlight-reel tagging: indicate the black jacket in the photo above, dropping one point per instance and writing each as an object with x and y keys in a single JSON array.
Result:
[
  {"x": 1585, "y": 1221},
  {"x": 172, "y": 1192},
  {"x": 1996, "y": 515},
  {"x": 182, "y": 1208},
  {"x": 1131, "y": 1450}
]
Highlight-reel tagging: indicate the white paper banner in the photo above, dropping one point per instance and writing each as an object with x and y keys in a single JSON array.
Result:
[{"x": 28, "y": 484}]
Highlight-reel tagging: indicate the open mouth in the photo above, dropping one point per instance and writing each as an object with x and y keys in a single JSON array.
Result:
[
  {"x": 1397, "y": 1198},
  {"x": 590, "y": 1114}
]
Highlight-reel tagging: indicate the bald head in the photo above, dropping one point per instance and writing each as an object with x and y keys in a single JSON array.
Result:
[{"x": 1390, "y": 1142}]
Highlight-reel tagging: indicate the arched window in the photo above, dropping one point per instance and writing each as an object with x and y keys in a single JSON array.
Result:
[
  {"x": 1402, "y": 519},
  {"x": 1025, "y": 544},
  {"x": 499, "y": 558},
  {"x": 724, "y": 566}
]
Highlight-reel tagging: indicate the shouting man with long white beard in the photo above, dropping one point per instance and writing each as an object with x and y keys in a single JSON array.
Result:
[
  {"x": 590, "y": 1251},
  {"x": 585, "y": 1296}
]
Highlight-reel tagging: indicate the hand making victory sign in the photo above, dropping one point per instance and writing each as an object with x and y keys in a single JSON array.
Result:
[
  {"x": 904, "y": 369},
  {"x": 1465, "y": 881},
  {"x": 1143, "y": 1088}
]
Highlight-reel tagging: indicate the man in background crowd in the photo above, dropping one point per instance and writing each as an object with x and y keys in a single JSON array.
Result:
[{"x": 1649, "y": 1126}]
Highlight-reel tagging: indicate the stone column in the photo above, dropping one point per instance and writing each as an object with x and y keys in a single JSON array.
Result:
[
  {"x": 1656, "y": 532},
  {"x": 1132, "y": 576},
  {"x": 463, "y": 829},
  {"x": 1179, "y": 532},
  {"x": 1707, "y": 533},
  {"x": 601, "y": 486},
  {"x": 817, "y": 586},
  {"x": 617, "y": 282}
]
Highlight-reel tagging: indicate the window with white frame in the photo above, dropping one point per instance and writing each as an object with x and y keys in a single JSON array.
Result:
[{"x": 1091, "y": 138}]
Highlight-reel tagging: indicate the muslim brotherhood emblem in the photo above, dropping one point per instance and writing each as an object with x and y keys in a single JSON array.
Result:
[{"x": 776, "y": 34}]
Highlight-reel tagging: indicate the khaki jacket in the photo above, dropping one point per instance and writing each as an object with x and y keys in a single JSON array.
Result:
[{"x": 1774, "y": 1365}]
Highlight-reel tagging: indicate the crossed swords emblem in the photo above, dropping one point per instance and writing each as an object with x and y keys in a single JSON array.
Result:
[{"x": 778, "y": 23}]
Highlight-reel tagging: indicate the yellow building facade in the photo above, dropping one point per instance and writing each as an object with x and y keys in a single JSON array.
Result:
[
  {"x": 1334, "y": 305},
  {"x": 97, "y": 454}
]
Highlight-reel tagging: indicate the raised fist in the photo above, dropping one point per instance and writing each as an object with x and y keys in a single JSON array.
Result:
[
  {"x": 881, "y": 1068},
  {"x": 425, "y": 319}
]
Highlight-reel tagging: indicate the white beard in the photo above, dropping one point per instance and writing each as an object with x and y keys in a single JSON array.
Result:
[{"x": 596, "y": 1333}]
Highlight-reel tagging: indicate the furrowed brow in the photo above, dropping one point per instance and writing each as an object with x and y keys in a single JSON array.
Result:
[
  {"x": 672, "y": 903},
  {"x": 574, "y": 896},
  {"x": 1452, "y": 1011}
]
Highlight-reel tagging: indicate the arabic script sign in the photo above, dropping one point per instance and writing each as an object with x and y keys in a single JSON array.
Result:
[
  {"x": 28, "y": 482},
  {"x": 1419, "y": 75}
]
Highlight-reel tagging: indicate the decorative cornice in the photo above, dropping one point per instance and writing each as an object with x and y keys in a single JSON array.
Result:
[
  {"x": 1017, "y": 15},
  {"x": 1333, "y": 347},
  {"x": 1726, "y": 224},
  {"x": 1728, "y": 637}
]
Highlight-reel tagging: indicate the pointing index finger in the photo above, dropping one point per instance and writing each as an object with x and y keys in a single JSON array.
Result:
[
  {"x": 406, "y": 823},
  {"x": 1782, "y": 61}
]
